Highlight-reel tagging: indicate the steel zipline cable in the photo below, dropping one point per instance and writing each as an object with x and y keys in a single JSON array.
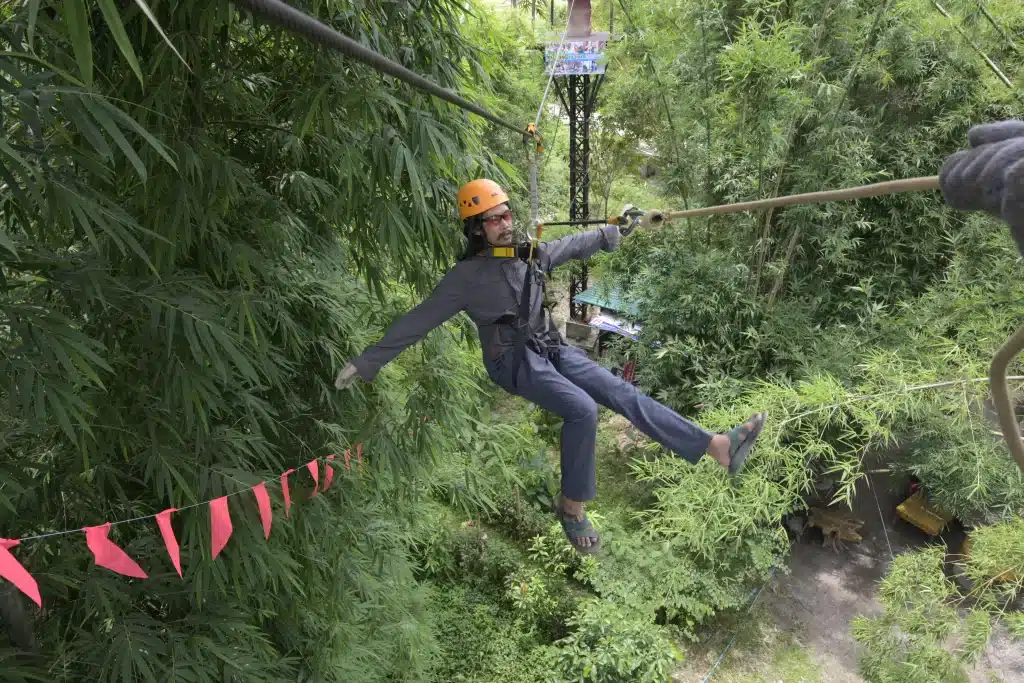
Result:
[
  {"x": 300, "y": 23},
  {"x": 657, "y": 217}
]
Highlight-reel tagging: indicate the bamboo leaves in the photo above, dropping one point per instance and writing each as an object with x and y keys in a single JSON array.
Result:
[
  {"x": 113, "y": 18},
  {"x": 54, "y": 363},
  {"x": 144, "y": 6},
  {"x": 126, "y": 120},
  {"x": 78, "y": 28},
  {"x": 102, "y": 117},
  {"x": 184, "y": 287},
  {"x": 77, "y": 25},
  {"x": 7, "y": 243}
]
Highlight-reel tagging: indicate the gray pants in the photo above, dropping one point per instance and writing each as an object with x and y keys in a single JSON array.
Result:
[{"x": 569, "y": 384}]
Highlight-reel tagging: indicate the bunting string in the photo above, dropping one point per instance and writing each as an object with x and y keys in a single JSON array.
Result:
[
  {"x": 67, "y": 532},
  {"x": 109, "y": 555}
]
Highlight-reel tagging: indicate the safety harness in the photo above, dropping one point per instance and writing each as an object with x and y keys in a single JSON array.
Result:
[{"x": 527, "y": 252}]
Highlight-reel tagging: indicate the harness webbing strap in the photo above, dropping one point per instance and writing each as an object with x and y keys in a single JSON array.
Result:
[
  {"x": 534, "y": 194},
  {"x": 523, "y": 324}
]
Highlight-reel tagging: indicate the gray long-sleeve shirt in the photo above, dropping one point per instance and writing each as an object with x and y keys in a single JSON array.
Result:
[{"x": 488, "y": 289}]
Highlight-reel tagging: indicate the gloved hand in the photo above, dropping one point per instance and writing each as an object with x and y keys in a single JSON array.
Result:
[
  {"x": 346, "y": 377},
  {"x": 990, "y": 176},
  {"x": 629, "y": 219},
  {"x": 632, "y": 218}
]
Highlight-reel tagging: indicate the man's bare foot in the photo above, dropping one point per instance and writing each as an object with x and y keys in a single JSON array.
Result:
[
  {"x": 725, "y": 451},
  {"x": 574, "y": 510},
  {"x": 719, "y": 449}
]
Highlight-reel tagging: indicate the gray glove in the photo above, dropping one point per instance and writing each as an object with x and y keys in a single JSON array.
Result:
[
  {"x": 633, "y": 218},
  {"x": 990, "y": 176},
  {"x": 346, "y": 377}
]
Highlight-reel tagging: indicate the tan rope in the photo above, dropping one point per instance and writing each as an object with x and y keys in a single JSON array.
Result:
[
  {"x": 888, "y": 187},
  {"x": 1001, "y": 394}
]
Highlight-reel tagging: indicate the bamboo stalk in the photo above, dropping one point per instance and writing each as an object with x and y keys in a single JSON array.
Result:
[
  {"x": 998, "y": 27},
  {"x": 991, "y": 64}
]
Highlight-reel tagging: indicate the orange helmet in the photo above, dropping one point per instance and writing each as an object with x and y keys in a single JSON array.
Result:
[{"x": 478, "y": 196}]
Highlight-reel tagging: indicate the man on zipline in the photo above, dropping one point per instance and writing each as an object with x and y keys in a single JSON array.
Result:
[{"x": 534, "y": 362}]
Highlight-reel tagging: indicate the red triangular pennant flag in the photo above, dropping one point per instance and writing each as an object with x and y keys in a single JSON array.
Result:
[
  {"x": 220, "y": 524},
  {"x": 12, "y": 570},
  {"x": 108, "y": 555},
  {"x": 163, "y": 520},
  {"x": 286, "y": 493},
  {"x": 314, "y": 469},
  {"x": 328, "y": 472},
  {"x": 263, "y": 500}
]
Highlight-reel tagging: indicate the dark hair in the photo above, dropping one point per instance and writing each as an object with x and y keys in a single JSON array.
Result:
[{"x": 476, "y": 238}]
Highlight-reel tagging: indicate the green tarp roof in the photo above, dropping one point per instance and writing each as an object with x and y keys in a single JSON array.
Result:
[{"x": 611, "y": 298}]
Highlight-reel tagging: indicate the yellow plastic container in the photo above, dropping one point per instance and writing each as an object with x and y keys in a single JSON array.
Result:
[{"x": 928, "y": 519}]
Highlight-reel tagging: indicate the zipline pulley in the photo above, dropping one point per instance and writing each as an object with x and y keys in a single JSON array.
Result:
[{"x": 630, "y": 219}]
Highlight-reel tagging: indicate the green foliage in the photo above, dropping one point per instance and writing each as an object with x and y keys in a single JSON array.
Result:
[
  {"x": 481, "y": 643},
  {"x": 1015, "y": 622},
  {"x": 858, "y": 326},
  {"x": 930, "y": 628},
  {"x": 201, "y": 218},
  {"x": 608, "y": 645},
  {"x": 994, "y": 565},
  {"x": 549, "y": 427},
  {"x": 543, "y": 600},
  {"x": 909, "y": 641},
  {"x": 761, "y": 111}
]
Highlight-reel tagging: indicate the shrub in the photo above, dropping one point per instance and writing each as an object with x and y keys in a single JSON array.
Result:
[
  {"x": 610, "y": 645},
  {"x": 928, "y": 632},
  {"x": 480, "y": 642}
]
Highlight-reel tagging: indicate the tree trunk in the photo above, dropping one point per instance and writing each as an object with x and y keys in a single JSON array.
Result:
[
  {"x": 762, "y": 245},
  {"x": 851, "y": 82},
  {"x": 790, "y": 249}
]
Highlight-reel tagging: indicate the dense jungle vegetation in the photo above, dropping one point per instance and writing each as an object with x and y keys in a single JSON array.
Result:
[{"x": 203, "y": 217}]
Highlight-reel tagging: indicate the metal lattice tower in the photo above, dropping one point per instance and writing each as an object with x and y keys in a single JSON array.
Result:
[{"x": 578, "y": 98}]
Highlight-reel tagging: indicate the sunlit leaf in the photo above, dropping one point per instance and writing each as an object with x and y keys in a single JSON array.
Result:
[
  {"x": 144, "y": 6},
  {"x": 113, "y": 19}
]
